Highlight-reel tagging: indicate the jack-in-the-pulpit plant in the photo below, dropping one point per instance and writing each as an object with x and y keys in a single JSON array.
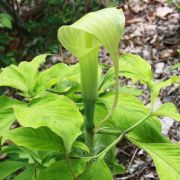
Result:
[{"x": 69, "y": 119}]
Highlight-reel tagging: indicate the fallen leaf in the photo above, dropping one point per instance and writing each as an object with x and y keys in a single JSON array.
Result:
[{"x": 161, "y": 12}]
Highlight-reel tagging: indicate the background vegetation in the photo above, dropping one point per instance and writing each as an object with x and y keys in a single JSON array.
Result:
[{"x": 29, "y": 27}]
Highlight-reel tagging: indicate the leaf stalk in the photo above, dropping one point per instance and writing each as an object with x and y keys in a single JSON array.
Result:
[{"x": 138, "y": 123}]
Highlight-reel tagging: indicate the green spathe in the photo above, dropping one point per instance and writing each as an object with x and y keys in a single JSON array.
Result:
[{"x": 83, "y": 39}]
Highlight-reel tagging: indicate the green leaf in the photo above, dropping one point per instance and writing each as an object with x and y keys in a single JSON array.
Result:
[
  {"x": 176, "y": 66},
  {"x": 55, "y": 74},
  {"x": 5, "y": 20},
  {"x": 60, "y": 170},
  {"x": 7, "y": 116},
  {"x": 27, "y": 78},
  {"x": 166, "y": 157},
  {"x": 16, "y": 152},
  {"x": 95, "y": 170},
  {"x": 40, "y": 139},
  {"x": 169, "y": 110},
  {"x": 101, "y": 142},
  {"x": 133, "y": 91},
  {"x": 129, "y": 111},
  {"x": 118, "y": 169},
  {"x": 81, "y": 145},
  {"x": 58, "y": 113},
  {"x": 136, "y": 68},
  {"x": 27, "y": 174},
  {"x": 66, "y": 87},
  {"x": 147, "y": 136},
  {"x": 106, "y": 80},
  {"x": 22, "y": 77},
  {"x": 8, "y": 167},
  {"x": 158, "y": 85}
]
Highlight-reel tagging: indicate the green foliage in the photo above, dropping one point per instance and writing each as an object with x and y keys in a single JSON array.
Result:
[
  {"x": 60, "y": 169},
  {"x": 95, "y": 170},
  {"x": 136, "y": 68},
  {"x": 166, "y": 157},
  {"x": 5, "y": 25},
  {"x": 5, "y": 20},
  {"x": 8, "y": 167},
  {"x": 27, "y": 78},
  {"x": 63, "y": 133},
  {"x": 29, "y": 173},
  {"x": 60, "y": 114},
  {"x": 169, "y": 110},
  {"x": 27, "y": 137},
  {"x": 159, "y": 85},
  {"x": 7, "y": 116}
]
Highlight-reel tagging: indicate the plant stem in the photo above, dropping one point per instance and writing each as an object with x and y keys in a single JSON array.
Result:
[
  {"x": 138, "y": 123},
  {"x": 89, "y": 124}
]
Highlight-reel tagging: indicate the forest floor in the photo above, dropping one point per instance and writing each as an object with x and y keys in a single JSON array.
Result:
[{"x": 152, "y": 31}]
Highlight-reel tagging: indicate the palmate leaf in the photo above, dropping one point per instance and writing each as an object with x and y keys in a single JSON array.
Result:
[
  {"x": 40, "y": 139},
  {"x": 7, "y": 116},
  {"x": 147, "y": 136},
  {"x": 166, "y": 157},
  {"x": 60, "y": 170},
  {"x": 58, "y": 113},
  {"x": 27, "y": 78},
  {"x": 129, "y": 111},
  {"x": 130, "y": 66},
  {"x": 138, "y": 69},
  {"x": 168, "y": 110},
  {"x": 22, "y": 77}
]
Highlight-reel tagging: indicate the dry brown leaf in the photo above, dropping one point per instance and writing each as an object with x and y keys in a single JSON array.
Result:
[
  {"x": 137, "y": 5},
  {"x": 162, "y": 12}
]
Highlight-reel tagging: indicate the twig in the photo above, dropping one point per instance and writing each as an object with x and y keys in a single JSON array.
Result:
[{"x": 132, "y": 159}]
